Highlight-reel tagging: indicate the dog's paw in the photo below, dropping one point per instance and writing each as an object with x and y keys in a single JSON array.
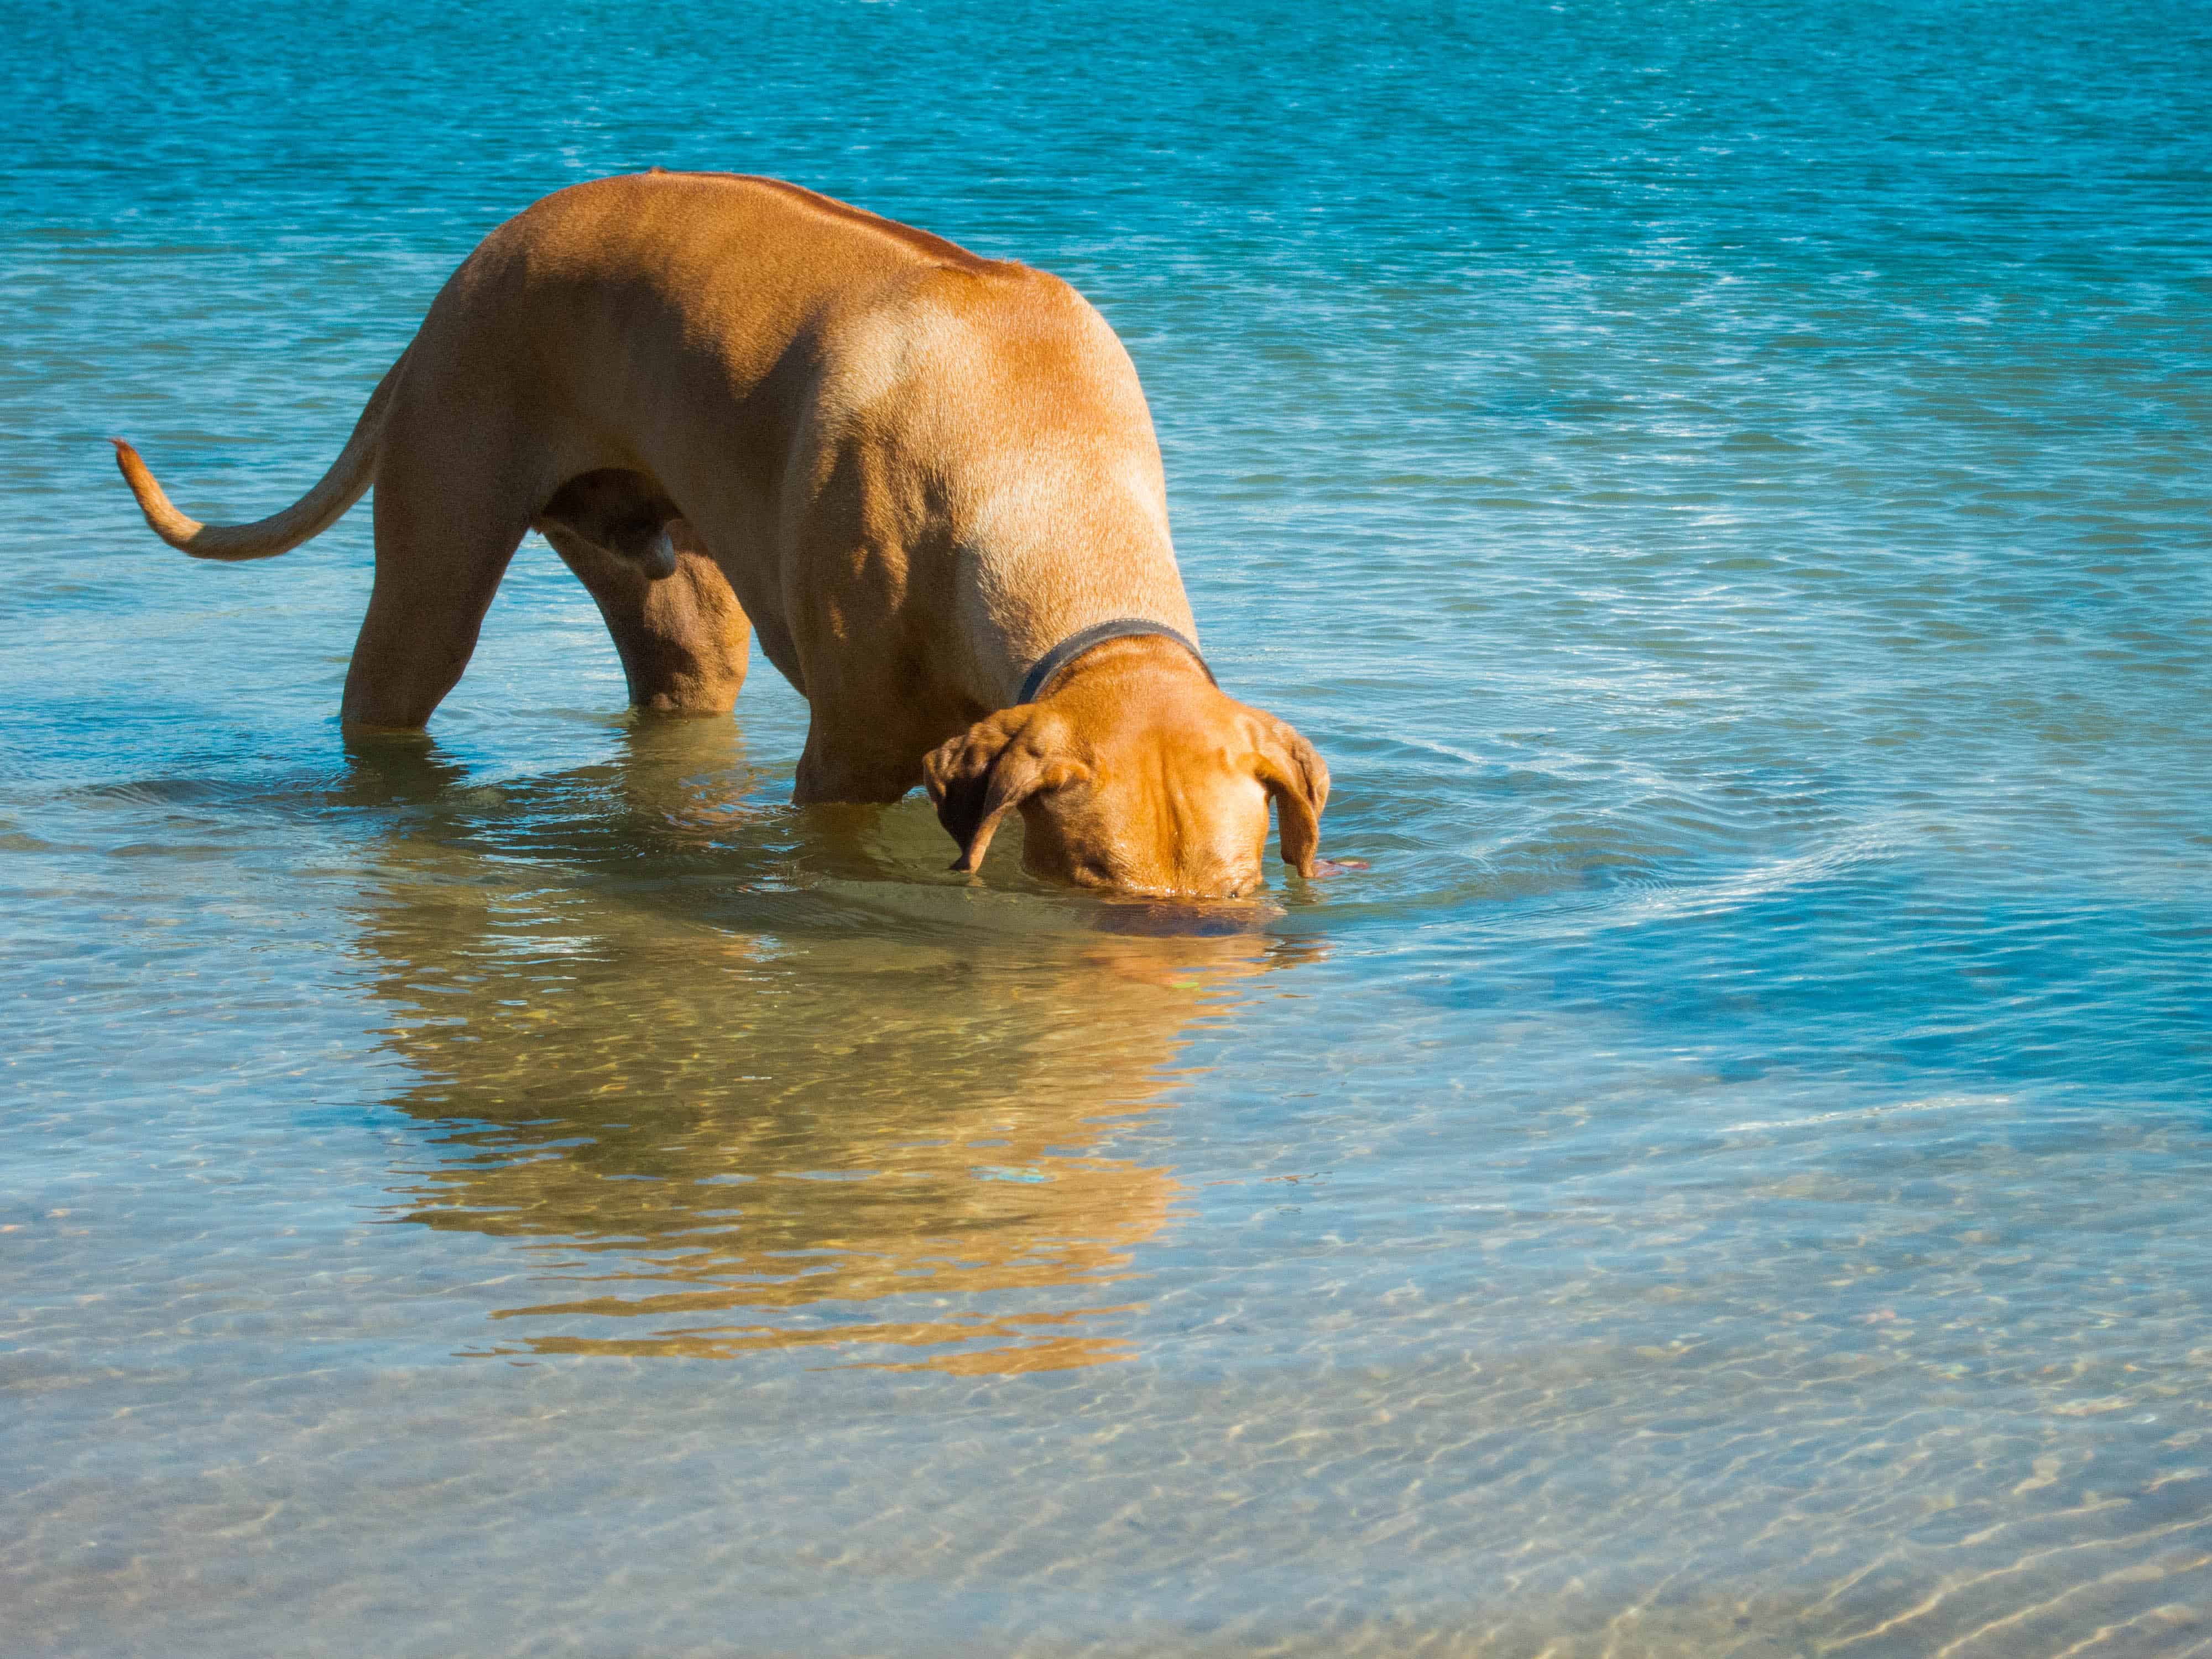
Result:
[{"x": 1324, "y": 868}]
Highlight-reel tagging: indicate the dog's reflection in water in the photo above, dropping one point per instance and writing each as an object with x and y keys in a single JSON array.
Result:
[{"x": 737, "y": 1102}]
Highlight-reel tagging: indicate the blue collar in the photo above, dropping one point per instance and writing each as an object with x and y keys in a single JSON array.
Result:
[{"x": 1126, "y": 628}]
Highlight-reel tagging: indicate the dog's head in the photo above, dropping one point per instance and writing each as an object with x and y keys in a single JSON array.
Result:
[{"x": 1136, "y": 784}]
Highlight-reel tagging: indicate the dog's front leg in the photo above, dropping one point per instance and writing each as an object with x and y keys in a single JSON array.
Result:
[{"x": 856, "y": 766}]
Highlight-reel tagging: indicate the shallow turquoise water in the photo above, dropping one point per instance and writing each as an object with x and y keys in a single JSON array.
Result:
[{"x": 1726, "y": 487}]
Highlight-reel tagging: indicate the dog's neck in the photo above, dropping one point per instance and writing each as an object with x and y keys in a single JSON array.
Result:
[{"x": 1048, "y": 669}]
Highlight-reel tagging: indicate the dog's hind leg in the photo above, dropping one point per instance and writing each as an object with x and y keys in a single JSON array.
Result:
[
  {"x": 448, "y": 518},
  {"x": 682, "y": 637}
]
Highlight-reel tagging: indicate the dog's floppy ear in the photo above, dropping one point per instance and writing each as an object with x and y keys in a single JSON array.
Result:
[
  {"x": 992, "y": 766},
  {"x": 1297, "y": 780}
]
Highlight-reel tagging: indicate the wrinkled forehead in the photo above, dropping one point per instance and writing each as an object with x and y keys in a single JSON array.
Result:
[{"x": 1192, "y": 827}]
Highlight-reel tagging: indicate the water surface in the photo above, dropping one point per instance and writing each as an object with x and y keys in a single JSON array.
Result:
[{"x": 1726, "y": 487}]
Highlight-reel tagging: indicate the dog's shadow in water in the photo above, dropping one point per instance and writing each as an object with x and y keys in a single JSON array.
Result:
[{"x": 744, "y": 1077}]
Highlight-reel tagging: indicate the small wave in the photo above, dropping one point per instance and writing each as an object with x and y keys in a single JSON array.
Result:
[
  {"x": 1868, "y": 845},
  {"x": 1895, "y": 1109}
]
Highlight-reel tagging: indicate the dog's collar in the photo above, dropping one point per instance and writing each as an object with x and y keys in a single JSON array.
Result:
[{"x": 1049, "y": 665}]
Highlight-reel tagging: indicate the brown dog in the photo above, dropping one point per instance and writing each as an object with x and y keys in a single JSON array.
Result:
[{"x": 927, "y": 481}]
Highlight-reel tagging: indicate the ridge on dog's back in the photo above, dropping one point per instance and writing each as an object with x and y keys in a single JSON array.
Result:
[
  {"x": 844, "y": 215},
  {"x": 727, "y": 208}
]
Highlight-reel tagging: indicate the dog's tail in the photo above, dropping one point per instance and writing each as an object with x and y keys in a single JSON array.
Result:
[{"x": 311, "y": 514}]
